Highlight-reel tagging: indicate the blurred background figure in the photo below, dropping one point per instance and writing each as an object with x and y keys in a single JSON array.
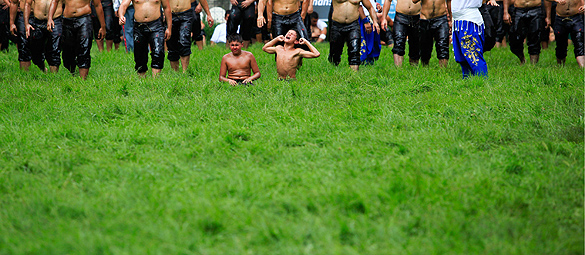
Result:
[
  {"x": 128, "y": 27},
  {"x": 371, "y": 44},
  {"x": 318, "y": 28},
  {"x": 220, "y": 32}
]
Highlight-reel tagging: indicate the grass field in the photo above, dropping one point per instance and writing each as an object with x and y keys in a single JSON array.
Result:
[{"x": 388, "y": 160}]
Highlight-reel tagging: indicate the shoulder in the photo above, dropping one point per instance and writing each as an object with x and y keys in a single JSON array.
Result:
[
  {"x": 248, "y": 54},
  {"x": 226, "y": 56}
]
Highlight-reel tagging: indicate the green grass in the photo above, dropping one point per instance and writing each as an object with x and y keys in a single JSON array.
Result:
[{"x": 388, "y": 160}]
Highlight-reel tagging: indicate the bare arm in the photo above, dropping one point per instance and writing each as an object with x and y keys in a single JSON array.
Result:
[
  {"x": 269, "y": 47},
  {"x": 367, "y": 25},
  {"x": 314, "y": 53},
  {"x": 385, "y": 9},
  {"x": 310, "y": 7},
  {"x": 260, "y": 21},
  {"x": 13, "y": 9},
  {"x": 507, "y": 17},
  {"x": 304, "y": 8},
  {"x": 122, "y": 11},
  {"x": 255, "y": 69},
  {"x": 547, "y": 10},
  {"x": 100, "y": 14},
  {"x": 323, "y": 35},
  {"x": 448, "y": 2},
  {"x": 169, "y": 19},
  {"x": 206, "y": 9},
  {"x": 373, "y": 14},
  {"x": 27, "y": 26}
]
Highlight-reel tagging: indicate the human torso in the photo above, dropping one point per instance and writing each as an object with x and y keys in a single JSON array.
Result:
[
  {"x": 146, "y": 10},
  {"x": 287, "y": 62},
  {"x": 315, "y": 32},
  {"x": 527, "y": 3},
  {"x": 285, "y": 7},
  {"x": 179, "y": 5},
  {"x": 407, "y": 7},
  {"x": 76, "y": 8},
  {"x": 239, "y": 67},
  {"x": 41, "y": 9},
  {"x": 432, "y": 9},
  {"x": 345, "y": 11},
  {"x": 570, "y": 8}
]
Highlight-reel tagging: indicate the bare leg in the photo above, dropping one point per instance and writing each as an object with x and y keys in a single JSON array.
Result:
[
  {"x": 522, "y": 60},
  {"x": 544, "y": 45},
  {"x": 142, "y": 75},
  {"x": 155, "y": 72},
  {"x": 116, "y": 46},
  {"x": 174, "y": 65},
  {"x": 424, "y": 63},
  {"x": 109, "y": 44},
  {"x": 498, "y": 44},
  {"x": 185, "y": 63},
  {"x": 354, "y": 67},
  {"x": 246, "y": 44},
  {"x": 24, "y": 65},
  {"x": 83, "y": 73},
  {"x": 413, "y": 62},
  {"x": 534, "y": 59},
  {"x": 443, "y": 62},
  {"x": 259, "y": 38},
  {"x": 581, "y": 61},
  {"x": 199, "y": 44},
  {"x": 54, "y": 69},
  {"x": 504, "y": 42},
  {"x": 398, "y": 60},
  {"x": 100, "y": 44}
]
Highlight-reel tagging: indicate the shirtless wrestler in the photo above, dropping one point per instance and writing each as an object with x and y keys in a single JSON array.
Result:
[
  {"x": 433, "y": 26},
  {"x": 285, "y": 16},
  {"x": 237, "y": 66},
  {"x": 527, "y": 24},
  {"x": 77, "y": 32},
  {"x": 569, "y": 20},
  {"x": 406, "y": 24},
  {"x": 18, "y": 30},
  {"x": 287, "y": 55},
  {"x": 148, "y": 31},
  {"x": 242, "y": 14},
  {"x": 179, "y": 45},
  {"x": 345, "y": 27},
  {"x": 43, "y": 43}
]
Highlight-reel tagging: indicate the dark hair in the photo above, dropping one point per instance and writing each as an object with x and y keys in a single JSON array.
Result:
[
  {"x": 314, "y": 15},
  {"x": 234, "y": 38}
]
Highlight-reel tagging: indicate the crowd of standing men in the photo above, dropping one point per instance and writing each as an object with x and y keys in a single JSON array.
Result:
[{"x": 64, "y": 29}]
